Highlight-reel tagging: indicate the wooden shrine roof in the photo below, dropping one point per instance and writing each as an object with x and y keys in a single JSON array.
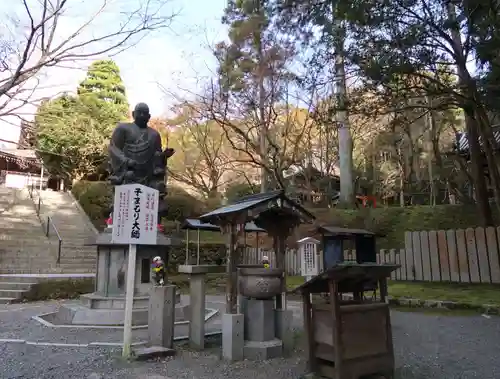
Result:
[
  {"x": 346, "y": 274},
  {"x": 195, "y": 224},
  {"x": 250, "y": 206},
  {"x": 336, "y": 231}
]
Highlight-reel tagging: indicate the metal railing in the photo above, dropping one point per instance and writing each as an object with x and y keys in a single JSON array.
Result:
[{"x": 38, "y": 205}]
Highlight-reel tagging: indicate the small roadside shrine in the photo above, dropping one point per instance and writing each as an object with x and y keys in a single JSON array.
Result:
[
  {"x": 195, "y": 224},
  {"x": 335, "y": 239},
  {"x": 278, "y": 216},
  {"x": 348, "y": 337}
]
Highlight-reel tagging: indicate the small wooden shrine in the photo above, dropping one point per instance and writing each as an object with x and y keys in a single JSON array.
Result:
[
  {"x": 348, "y": 338},
  {"x": 335, "y": 238}
]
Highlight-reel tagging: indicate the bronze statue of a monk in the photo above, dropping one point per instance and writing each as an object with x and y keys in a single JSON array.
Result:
[{"x": 136, "y": 155}]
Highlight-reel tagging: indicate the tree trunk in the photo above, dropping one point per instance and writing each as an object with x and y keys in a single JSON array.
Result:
[
  {"x": 264, "y": 178},
  {"x": 346, "y": 197},
  {"x": 477, "y": 169},
  {"x": 430, "y": 138}
]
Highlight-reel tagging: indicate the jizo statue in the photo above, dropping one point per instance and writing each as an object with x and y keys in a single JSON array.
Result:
[{"x": 136, "y": 155}]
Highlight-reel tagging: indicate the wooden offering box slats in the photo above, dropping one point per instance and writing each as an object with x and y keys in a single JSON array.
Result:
[{"x": 348, "y": 339}]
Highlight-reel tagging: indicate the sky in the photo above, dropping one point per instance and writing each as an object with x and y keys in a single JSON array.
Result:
[{"x": 164, "y": 64}]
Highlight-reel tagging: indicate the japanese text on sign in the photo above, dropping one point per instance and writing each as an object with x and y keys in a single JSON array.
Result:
[{"x": 135, "y": 215}]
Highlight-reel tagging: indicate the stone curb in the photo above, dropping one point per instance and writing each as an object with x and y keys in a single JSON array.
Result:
[{"x": 488, "y": 309}]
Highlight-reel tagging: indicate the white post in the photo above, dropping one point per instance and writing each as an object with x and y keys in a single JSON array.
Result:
[
  {"x": 187, "y": 247},
  {"x": 41, "y": 179},
  {"x": 129, "y": 301},
  {"x": 198, "y": 249}
]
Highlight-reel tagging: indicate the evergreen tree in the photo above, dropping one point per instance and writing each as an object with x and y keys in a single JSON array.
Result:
[
  {"x": 253, "y": 73},
  {"x": 103, "y": 87},
  {"x": 73, "y": 131}
]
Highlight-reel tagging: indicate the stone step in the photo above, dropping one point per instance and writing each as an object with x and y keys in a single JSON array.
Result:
[
  {"x": 28, "y": 220},
  {"x": 27, "y": 237},
  {"x": 28, "y": 279},
  {"x": 20, "y": 230},
  {"x": 26, "y": 248},
  {"x": 25, "y": 271},
  {"x": 84, "y": 260},
  {"x": 15, "y": 294},
  {"x": 6, "y": 300},
  {"x": 23, "y": 286},
  {"x": 19, "y": 243},
  {"x": 77, "y": 264}
]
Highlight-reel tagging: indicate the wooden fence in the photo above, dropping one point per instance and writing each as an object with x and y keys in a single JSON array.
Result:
[
  {"x": 292, "y": 259},
  {"x": 466, "y": 256},
  {"x": 461, "y": 256}
]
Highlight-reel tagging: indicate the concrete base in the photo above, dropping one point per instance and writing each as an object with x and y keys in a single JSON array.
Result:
[
  {"x": 162, "y": 316},
  {"x": 257, "y": 351},
  {"x": 196, "y": 307},
  {"x": 283, "y": 325},
  {"x": 259, "y": 317},
  {"x": 97, "y": 301},
  {"x": 145, "y": 353},
  {"x": 232, "y": 337},
  {"x": 93, "y": 311}
]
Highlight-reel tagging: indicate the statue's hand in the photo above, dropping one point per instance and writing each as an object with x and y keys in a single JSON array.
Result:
[
  {"x": 131, "y": 163},
  {"x": 168, "y": 152}
]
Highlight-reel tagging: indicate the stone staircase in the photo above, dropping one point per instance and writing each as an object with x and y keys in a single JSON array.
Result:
[
  {"x": 27, "y": 253},
  {"x": 24, "y": 248},
  {"x": 12, "y": 287},
  {"x": 75, "y": 230}
]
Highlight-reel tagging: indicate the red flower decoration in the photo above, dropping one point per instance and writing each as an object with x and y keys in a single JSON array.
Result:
[
  {"x": 109, "y": 221},
  {"x": 161, "y": 228}
]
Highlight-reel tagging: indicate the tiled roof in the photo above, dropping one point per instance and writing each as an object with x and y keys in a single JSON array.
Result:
[{"x": 20, "y": 153}]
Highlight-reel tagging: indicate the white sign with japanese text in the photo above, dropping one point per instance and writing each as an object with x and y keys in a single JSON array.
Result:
[{"x": 135, "y": 215}]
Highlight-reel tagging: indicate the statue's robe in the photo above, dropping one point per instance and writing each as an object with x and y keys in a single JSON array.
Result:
[{"x": 143, "y": 146}]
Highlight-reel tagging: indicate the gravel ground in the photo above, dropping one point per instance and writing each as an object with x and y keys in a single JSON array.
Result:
[{"x": 426, "y": 347}]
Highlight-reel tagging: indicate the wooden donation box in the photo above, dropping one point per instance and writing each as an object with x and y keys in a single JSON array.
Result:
[{"x": 348, "y": 337}]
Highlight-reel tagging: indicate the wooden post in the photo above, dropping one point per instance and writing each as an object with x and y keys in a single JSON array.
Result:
[
  {"x": 337, "y": 326},
  {"x": 187, "y": 246},
  {"x": 231, "y": 298},
  {"x": 388, "y": 326},
  {"x": 309, "y": 328},
  {"x": 383, "y": 290},
  {"x": 280, "y": 262}
]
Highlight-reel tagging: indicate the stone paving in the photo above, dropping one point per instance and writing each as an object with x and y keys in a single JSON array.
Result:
[{"x": 426, "y": 347}]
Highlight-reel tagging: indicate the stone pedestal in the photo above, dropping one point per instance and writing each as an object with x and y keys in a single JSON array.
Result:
[
  {"x": 260, "y": 330},
  {"x": 259, "y": 324},
  {"x": 196, "y": 310},
  {"x": 232, "y": 337},
  {"x": 106, "y": 305},
  {"x": 283, "y": 326},
  {"x": 162, "y": 316}
]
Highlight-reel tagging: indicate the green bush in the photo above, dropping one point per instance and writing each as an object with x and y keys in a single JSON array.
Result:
[
  {"x": 393, "y": 222},
  {"x": 59, "y": 289},
  {"x": 238, "y": 190},
  {"x": 210, "y": 254},
  {"x": 96, "y": 199},
  {"x": 181, "y": 205}
]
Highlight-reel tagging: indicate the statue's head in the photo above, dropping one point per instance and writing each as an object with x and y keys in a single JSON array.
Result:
[{"x": 141, "y": 115}]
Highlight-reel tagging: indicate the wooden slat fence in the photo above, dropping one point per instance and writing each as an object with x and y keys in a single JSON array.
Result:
[
  {"x": 292, "y": 259},
  {"x": 465, "y": 256},
  {"x": 461, "y": 256}
]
